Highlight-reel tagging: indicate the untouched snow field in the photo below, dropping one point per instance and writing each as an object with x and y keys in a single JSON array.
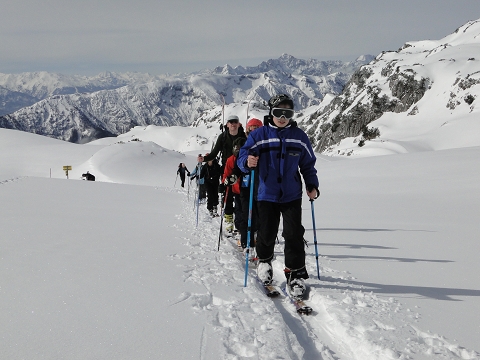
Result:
[{"x": 115, "y": 269}]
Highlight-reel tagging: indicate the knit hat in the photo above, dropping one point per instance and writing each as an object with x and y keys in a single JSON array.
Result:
[{"x": 254, "y": 122}]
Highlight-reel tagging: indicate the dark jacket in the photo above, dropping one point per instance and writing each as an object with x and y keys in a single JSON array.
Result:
[
  {"x": 182, "y": 170},
  {"x": 211, "y": 174},
  {"x": 283, "y": 152},
  {"x": 224, "y": 145}
]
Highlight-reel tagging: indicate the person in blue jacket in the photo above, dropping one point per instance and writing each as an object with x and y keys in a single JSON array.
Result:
[{"x": 280, "y": 152}]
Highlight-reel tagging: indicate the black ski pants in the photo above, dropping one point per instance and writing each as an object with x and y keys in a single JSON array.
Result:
[
  {"x": 293, "y": 231},
  {"x": 212, "y": 195},
  {"x": 229, "y": 203}
]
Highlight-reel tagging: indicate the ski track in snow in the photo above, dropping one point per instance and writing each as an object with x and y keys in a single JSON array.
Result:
[
  {"x": 345, "y": 324},
  {"x": 11, "y": 180}
]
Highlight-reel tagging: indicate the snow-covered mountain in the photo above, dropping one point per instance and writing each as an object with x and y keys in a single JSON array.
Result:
[
  {"x": 426, "y": 89},
  {"x": 170, "y": 100},
  {"x": 25, "y": 89}
]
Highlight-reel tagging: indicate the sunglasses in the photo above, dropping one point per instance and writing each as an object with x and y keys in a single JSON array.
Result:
[
  {"x": 286, "y": 113},
  {"x": 232, "y": 121}
]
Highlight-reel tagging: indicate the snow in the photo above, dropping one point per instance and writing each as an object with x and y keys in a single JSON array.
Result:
[{"x": 116, "y": 269}]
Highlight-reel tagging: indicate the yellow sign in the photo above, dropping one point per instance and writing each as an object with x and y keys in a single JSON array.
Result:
[{"x": 67, "y": 167}]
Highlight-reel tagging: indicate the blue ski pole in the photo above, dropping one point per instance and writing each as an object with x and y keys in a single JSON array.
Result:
[
  {"x": 249, "y": 225},
  {"x": 315, "y": 237}
]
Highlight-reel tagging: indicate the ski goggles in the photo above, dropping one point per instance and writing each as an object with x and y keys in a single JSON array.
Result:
[{"x": 286, "y": 113}]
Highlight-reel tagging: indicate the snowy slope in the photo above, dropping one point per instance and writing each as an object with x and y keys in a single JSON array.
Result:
[
  {"x": 425, "y": 93},
  {"x": 25, "y": 89},
  {"x": 115, "y": 271}
]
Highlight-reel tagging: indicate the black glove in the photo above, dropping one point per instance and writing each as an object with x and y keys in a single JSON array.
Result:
[
  {"x": 221, "y": 189},
  {"x": 230, "y": 180},
  {"x": 310, "y": 188},
  {"x": 188, "y": 174}
]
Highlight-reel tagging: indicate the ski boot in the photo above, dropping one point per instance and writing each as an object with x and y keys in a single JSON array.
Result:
[
  {"x": 229, "y": 224},
  {"x": 265, "y": 272}
]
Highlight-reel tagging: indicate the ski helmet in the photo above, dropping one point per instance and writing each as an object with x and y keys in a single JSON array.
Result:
[{"x": 280, "y": 99}]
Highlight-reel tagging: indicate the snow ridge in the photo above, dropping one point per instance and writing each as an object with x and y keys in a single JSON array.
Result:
[{"x": 413, "y": 91}]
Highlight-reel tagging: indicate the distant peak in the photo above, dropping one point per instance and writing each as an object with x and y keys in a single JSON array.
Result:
[{"x": 287, "y": 56}]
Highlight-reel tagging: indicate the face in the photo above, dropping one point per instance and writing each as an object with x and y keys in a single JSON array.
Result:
[
  {"x": 281, "y": 122},
  {"x": 252, "y": 127},
  {"x": 236, "y": 150},
  {"x": 233, "y": 127}
]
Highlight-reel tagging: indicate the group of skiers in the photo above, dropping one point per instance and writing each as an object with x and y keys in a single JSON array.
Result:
[{"x": 274, "y": 153}]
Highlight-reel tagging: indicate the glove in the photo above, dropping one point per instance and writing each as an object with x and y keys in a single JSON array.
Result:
[
  {"x": 221, "y": 189},
  {"x": 188, "y": 174},
  {"x": 230, "y": 180},
  {"x": 310, "y": 188}
]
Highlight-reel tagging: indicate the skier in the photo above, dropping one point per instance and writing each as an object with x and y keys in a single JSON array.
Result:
[
  {"x": 253, "y": 124},
  {"x": 210, "y": 173},
  {"x": 231, "y": 177},
  {"x": 195, "y": 174},
  {"x": 243, "y": 190},
  {"x": 224, "y": 145},
  {"x": 277, "y": 151},
  {"x": 87, "y": 176},
  {"x": 182, "y": 169}
]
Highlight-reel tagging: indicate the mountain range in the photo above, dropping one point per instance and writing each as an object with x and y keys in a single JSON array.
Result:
[
  {"x": 80, "y": 109},
  {"x": 423, "y": 93}
]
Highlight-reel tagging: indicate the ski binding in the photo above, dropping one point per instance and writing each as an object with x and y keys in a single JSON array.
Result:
[{"x": 300, "y": 306}]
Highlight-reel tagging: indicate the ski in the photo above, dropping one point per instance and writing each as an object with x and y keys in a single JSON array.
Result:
[
  {"x": 300, "y": 306},
  {"x": 270, "y": 290}
]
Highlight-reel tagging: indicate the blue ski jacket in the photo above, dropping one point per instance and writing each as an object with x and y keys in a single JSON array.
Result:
[
  {"x": 196, "y": 173},
  {"x": 283, "y": 153}
]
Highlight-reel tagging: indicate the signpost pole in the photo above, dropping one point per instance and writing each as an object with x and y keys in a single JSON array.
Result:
[{"x": 66, "y": 168}]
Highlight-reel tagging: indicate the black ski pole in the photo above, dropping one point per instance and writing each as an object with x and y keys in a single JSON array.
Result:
[
  {"x": 315, "y": 237},
  {"x": 198, "y": 186},
  {"x": 221, "y": 215},
  {"x": 249, "y": 226}
]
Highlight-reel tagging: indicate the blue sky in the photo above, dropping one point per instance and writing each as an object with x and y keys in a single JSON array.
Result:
[{"x": 164, "y": 36}]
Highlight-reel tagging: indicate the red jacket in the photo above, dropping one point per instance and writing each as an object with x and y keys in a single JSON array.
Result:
[{"x": 229, "y": 165}]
